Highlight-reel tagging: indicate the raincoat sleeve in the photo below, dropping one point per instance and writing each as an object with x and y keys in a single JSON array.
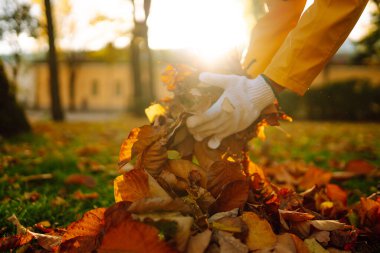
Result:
[{"x": 319, "y": 33}]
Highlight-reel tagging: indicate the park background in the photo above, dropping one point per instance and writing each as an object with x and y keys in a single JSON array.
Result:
[{"x": 84, "y": 76}]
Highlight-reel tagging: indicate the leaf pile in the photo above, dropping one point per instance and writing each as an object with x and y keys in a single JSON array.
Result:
[{"x": 175, "y": 194}]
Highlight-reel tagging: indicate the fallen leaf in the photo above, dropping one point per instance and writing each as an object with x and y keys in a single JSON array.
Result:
[
  {"x": 183, "y": 229},
  {"x": 336, "y": 193},
  {"x": 314, "y": 246},
  {"x": 81, "y": 179},
  {"x": 229, "y": 244},
  {"x": 141, "y": 238},
  {"x": 327, "y": 225},
  {"x": 78, "y": 195},
  {"x": 233, "y": 195},
  {"x": 199, "y": 242},
  {"x": 295, "y": 216},
  {"x": 229, "y": 224},
  {"x": 299, "y": 244},
  {"x": 321, "y": 236},
  {"x": 12, "y": 242},
  {"x": 158, "y": 204},
  {"x": 359, "y": 167},
  {"x": 89, "y": 225},
  {"x": 260, "y": 234},
  {"x": 125, "y": 154},
  {"x": 315, "y": 176}
]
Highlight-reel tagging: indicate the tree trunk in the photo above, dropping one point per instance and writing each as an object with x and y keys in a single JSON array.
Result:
[
  {"x": 142, "y": 64},
  {"x": 12, "y": 117},
  {"x": 56, "y": 108},
  {"x": 72, "y": 80}
]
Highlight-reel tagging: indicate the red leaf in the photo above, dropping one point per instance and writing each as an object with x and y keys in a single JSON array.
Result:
[
  {"x": 315, "y": 176},
  {"x": 14, "y": 241}
]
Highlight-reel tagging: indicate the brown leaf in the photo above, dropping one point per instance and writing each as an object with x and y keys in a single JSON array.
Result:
[
  {"x": 295, "y": 216},
  {"x": 48, "y": 242},
  {"x": 141, "y": 238},
  {"x": 260, "y": 234},
  {"x": 158, "y": 205},
  {"x": 222, "y": 173},
  {"x": 315, "y": 176},
  {"x": 153, "y": 158},
  {"x": 233, "y": 195},
  {"x": 359, "y": 167},
  {"x": 131, "y": 186},
  {"x": 78, "y": 195},
  {"x": 81, "y": 179},
  {"x": 206, "y": 156},
  {"x": 369, "y": 214}
]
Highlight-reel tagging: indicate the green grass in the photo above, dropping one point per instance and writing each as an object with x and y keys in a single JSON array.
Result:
[{"x": 92, "y": 149}]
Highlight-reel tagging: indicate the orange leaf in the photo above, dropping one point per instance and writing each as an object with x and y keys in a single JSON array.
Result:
[
  {"x": 335, "y": 193},
  {"x": 260, "y": 234},
  {"x": 133, "y": 236},
  {"x": 131, "y": 186},
  {"x": 90, "y": 225},
  {"x": 300, "y": 245},
  {"x": 233, "y": 195},
  {"x": 359, "y": 167},
  {"x": 84, "y": 234},
  {"x": 174, "y": 74},
  {"x": 125, "y": 154},
  {"x": 222, "y": 173},
  {"x": 315, "y": 176},
  {"x": 11, "y": 242},
  {"x": 81, "y": 179}
]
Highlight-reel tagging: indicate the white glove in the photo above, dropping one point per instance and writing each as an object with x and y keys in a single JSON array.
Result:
[{"x": 236, "y": 109}]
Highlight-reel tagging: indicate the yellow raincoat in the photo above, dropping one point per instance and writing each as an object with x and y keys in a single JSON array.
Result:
[{"x": 291, "y": 50}]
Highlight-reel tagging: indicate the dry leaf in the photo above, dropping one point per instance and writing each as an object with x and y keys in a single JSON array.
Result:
[
  {"x": 78, "y": 195},
  {"x": 81, "y": 179},
  {"x": 295, "y": 216},
  {"x": 321, "y": 236},
  {"x": 314, "y": 246},
  {"x": 199, "y": 242},
  {"x": 141, "y": 238},
  {"x": 229, "y": 244},
  {"x": 336, "y": 193},
  {"x": 222, "y": 173},
  {"x": 260, "y": 234},
  {"x": 299, "y": 244},
  {"x": 315, "y": 176},
  {"x": 359, "y": 167},
  {"x": 131, "y": 186},
  {"x": 327, "y": 225},
  {"x": 233, "y": 195},
  {"x": 184, "y": 170}
]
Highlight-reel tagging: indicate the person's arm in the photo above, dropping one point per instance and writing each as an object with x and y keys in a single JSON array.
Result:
[
  {"x": 319, "y": 33},
  {"x": 269, "y": 33}
]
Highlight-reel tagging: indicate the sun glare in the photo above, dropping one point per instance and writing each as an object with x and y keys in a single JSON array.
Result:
[{"x": 208, "y": 27}]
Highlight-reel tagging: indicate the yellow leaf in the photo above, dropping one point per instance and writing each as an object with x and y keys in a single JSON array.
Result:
[
  {"x": 153, "y": 111},
  {"x": 260, "y": 234}
]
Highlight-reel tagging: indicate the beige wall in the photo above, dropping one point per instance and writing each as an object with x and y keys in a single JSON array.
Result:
[{"x": 106, "y": 96}]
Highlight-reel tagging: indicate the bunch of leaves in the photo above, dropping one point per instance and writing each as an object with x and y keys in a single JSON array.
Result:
[{"x": 175, "y": 194}]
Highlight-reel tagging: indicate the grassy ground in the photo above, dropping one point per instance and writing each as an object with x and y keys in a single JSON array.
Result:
[{"x": 92, "y": 149}]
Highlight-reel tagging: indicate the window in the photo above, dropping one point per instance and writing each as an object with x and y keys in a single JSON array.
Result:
[{"x": 95, "y": 87}]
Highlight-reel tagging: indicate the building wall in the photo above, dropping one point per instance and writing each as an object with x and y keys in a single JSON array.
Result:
[{"x": 98, "y": 86}]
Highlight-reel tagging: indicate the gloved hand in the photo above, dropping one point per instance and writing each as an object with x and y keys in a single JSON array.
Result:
[{"x": 237, "y": 108}]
